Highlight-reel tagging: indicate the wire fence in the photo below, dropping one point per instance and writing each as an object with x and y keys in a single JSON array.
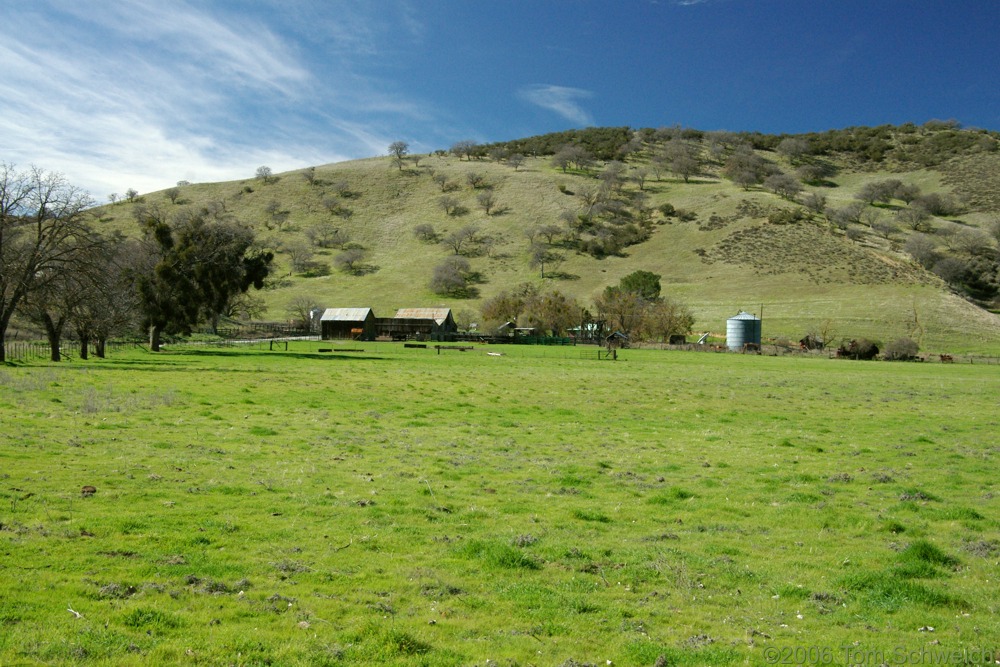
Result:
[
  {"x": 27, "y": 351},
  {"x": 22, "y": 351}
]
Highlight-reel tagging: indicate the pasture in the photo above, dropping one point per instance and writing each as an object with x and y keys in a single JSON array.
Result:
[{"x": 398, "y": 506}]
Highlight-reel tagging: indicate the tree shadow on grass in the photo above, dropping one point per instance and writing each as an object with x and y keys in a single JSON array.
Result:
[{"x": 284, "y": 354}]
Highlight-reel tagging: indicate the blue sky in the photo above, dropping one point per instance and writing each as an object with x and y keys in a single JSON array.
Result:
[{"x": 143, "y": 93}]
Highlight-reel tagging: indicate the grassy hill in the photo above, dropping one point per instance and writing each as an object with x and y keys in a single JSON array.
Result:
[{"x": 729, "y": 247}]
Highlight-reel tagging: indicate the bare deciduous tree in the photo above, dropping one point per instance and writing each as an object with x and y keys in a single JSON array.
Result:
[
  {"x": 300, "y": 255},
  {"x": 42, "y": 221},
  {"x": 682, "y": 158},
  {"x": 475, "y": 180},
  {"x": 264, "y": 174},
  {"x": 452, "y": 277},
  {"x": 326, "y": 234},
  {"x": 922, "y": 249},
  {"x": 884, "y": 228},
  {"x": 462, "y": 239},
  {"x": 350, "y": 261},
  {"x": 639, "y": 176},
  {"x": 450, "y": 205},
  {"x": 914, "y": 217},
  {"x": 398, "y": 150},
  {"x": 794, "y": 148},
  {"x": 783, "y": 185},
  {"x": 541, "y": 256},
  {"x": 487, "y": 201},
  {"x": 301, "y": 309},
  {"x": 550, "y": 232},
  {"x": 465, "y": 148}
]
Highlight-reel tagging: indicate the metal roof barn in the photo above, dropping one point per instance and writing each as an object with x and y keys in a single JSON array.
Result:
[
  {"x": 348, "y": 323},
  {"x": 419, "y": 323}
]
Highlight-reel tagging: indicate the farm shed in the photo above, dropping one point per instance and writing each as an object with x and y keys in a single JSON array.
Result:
[
  {"x": 422, "y": 323},
  {"x": 348, "y": 323},
  {"x": 616, "y": 340}
]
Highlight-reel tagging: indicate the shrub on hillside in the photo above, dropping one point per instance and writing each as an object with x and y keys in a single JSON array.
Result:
[
  {"x": 787, "y": 216},
  {"x": 901, "y": 349}
]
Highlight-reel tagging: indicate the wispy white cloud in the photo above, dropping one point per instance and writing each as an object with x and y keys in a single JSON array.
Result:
[
  {"x": 232, "y": 49},
  {"x": 139, "y": 93},
  {"x": 561, "y": 100}
]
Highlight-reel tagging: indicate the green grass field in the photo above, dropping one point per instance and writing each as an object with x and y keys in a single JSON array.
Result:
[{"x": 399, "y": 506}]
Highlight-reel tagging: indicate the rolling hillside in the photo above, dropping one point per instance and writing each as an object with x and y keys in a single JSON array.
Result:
[{"x": 724, "y": 247}]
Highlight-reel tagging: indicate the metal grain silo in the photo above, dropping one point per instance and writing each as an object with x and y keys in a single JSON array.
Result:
[{"x": 741, "y": 329}]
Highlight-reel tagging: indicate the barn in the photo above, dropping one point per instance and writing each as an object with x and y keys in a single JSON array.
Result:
[
  {"x": 347, "y": 323},
  {"x": 418, "y": 323}
]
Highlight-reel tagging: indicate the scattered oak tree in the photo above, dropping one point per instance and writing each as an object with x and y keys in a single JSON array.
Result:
[
  {"x": 264, "y": 174},
  {"x": 461, "y": 241},
  {"x": 453, "y": 277},
  {"x": 398, "y": 150},
  {"x": 351, "y": 261},
  {"x": 487, "y": 201}
]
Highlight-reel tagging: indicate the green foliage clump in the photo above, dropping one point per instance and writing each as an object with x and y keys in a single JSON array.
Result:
[
  {"x": 922, "y": 551},
  {"x": 604, "y": 143},
  {"x": 497, "y": 555},
  {"x": 889, "y": 591},
  {"x": 150, "y": 619},
  {"x": 644, "y": 283},
  {"x": 943, "y": 144},
  {"x": 869, "y": 143}
]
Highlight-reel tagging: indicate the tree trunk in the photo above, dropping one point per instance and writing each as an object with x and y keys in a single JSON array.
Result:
[
  {"x": 154, "y": 338},
  {"x": 99, "y": 346},
  {"x": 53, "y": 331},
  {"x": 84, "y": 344}
]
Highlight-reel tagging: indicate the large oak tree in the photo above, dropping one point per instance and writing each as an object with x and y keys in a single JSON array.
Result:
[{"x": 194, "y": 267}]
